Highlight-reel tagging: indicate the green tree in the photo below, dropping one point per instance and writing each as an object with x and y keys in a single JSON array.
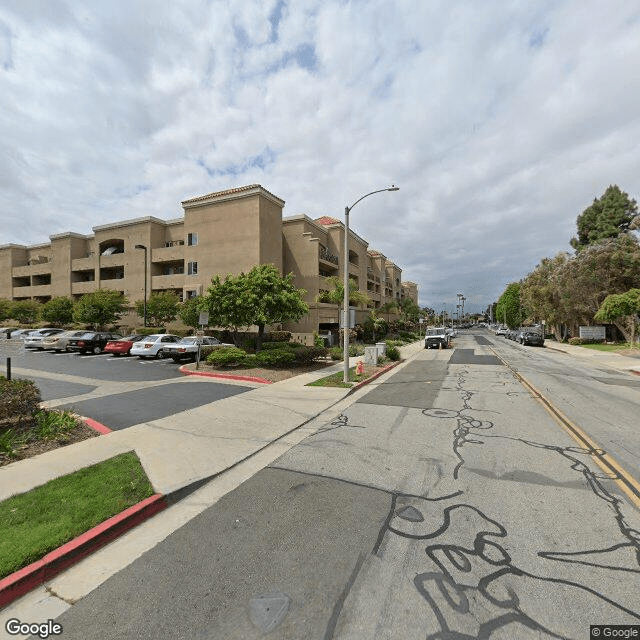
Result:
[
  {"x": 335, "y": 295},
  {"x": 623, "y": 309},
  {"x": 409, "y": 309},
  {"x": 509, "y": 309},
  {"x": 541, "y": 292},
  {"x": 375, "y": 324},
  {"x": 58, "y": 311},
  {"x": 260, "y": 297},
  {"x": 26, "y": 311},
  {"x": 388, "y": 308},
  {"x": 608, "y": 217},
  {"x": 100, "y": 308},
  {"x": 161, "y": 308},
  {"x": 5, "y": 308},
  {"x": 189, "y": 311}
]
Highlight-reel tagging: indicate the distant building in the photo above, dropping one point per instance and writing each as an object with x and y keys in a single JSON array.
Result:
[{"x": 224, "y": 232}]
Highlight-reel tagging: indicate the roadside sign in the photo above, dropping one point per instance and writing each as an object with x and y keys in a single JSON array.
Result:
[
  {"x": 203, "y": 318},
  {"x": 199, "y": 332},
  {"x": 11, "y": 347}
]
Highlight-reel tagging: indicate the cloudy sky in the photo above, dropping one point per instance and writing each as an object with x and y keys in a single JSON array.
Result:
[{"x": 500, "y": 120}]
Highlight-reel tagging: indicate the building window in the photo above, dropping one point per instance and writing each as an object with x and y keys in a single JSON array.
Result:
[
  {"x": 192, "y": 239},
  {"x": 192, "y": 268},
  {"x": 191, "y": 294}
]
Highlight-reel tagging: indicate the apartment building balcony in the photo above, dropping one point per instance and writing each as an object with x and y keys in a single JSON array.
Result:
[
  {"x": 42, "y": 290},
  {"x": 112, "y": 273},
  {"x": 328, "y": 258},
  {"x": 83, "y": 264},
  {"x": 172, "y": 253},
  {"x": 113, "y": 260},
  {"x": 38, "y": 269},
  {"x": 80, "y": 288},
  {"x": 175, "y": 281}
]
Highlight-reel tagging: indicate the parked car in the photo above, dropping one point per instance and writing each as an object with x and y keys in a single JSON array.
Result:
[
  {"x": 436, "y": 338},
  {"x": 187, "y": 348},
  {"x": 153, "y": 346},
  {"x": 20, "y": 334},
  {"x": 91, "y": 341},
  {"x": 123, "y": 346},
  {"x": 35, "y": 338},
  {"x": 58, "y": 341},
  {"x": 501, "y": 331},
  {"x": 529, "y": 336}
]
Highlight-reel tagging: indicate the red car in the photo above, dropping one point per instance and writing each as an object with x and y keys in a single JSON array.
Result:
[{"x": 122, "y": 347}]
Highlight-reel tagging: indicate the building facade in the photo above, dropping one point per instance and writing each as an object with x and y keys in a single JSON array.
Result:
[{"x": 220, "y": 233}]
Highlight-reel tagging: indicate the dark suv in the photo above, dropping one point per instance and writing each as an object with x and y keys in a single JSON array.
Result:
[
  {"x": 91, "y": 342},
  {"x": 527, "y": 336}
]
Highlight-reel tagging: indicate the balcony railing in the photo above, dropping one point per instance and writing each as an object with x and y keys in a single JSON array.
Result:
[{"x": 325, "y": 254}]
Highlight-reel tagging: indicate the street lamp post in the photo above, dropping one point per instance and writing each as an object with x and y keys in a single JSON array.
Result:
[
  {"x": 345, "y": 319},
  {"x": 141, "y": 246}
]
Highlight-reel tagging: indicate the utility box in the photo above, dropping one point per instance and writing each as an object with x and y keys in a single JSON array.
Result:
[
  {"x": 382, "y": 348},
  {"x": 371, "y": 355}
]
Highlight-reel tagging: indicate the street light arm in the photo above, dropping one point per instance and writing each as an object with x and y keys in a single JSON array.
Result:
[{"x": 391, "y": 188}]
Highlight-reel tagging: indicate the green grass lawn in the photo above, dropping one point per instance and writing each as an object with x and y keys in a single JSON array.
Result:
[
  {"x": 607, "y": 347},
  {"x": 336, "y": 379},
  {"x": 34, "y": 523}
]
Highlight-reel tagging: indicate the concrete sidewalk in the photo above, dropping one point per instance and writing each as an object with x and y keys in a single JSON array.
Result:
[
  {"x": 180, "y": 454},
  {"x": 629, "y": 364}
]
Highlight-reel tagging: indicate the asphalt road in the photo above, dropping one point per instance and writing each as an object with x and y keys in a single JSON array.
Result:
[
  {"x": 443, "y": 503},
  {"x": 118, "y": 392}
]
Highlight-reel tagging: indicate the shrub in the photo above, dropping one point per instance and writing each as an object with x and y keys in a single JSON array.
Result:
[
  {"x": 275, "y": 357},
  {"x": 306, "y": 355},
  {"x": 207, "y": 349},
  {"x": 149, "y": 331},
  {"x": 356, "y": 350},
  {"x": 336, "y": 353},
  {"x": 576, "y": 341},
  {"x": 393, "y": 353},
  {"x": 227, "y": 355},
  {"x": 18, "y": 398},
  {"x": 279, "y": 336}
]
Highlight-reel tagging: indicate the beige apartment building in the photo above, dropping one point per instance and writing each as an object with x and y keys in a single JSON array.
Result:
[{"x": 224, "y": 232}]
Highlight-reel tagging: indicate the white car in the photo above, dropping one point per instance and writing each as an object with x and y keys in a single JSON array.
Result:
[
  {"x": 153, "y": 346},
  {"x": 35, "y": 338}
]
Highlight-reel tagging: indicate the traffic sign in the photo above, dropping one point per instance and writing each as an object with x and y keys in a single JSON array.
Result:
[{"x": 11, "y": 347}]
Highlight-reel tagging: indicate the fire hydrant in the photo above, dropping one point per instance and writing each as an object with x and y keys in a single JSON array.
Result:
[{"x": 360, "y": 367}]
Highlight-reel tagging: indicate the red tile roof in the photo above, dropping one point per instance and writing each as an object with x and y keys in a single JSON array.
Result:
[
  {"x": 227, "y": 192},
  {"x": 327, "y": 221}
]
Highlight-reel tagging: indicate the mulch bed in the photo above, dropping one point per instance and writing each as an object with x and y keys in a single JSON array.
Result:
[
  {"x": 272, "y": 375},
  {"x": 81, "y": 432}
]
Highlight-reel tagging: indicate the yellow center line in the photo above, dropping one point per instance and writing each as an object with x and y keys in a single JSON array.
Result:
[{"x": 604, "y": 460}]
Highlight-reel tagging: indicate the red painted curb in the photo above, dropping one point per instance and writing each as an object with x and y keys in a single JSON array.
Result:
[
  {"x": 96, "y": 426},
  {"x": 635, "y": 373},
  {"x": 25, "y": 579}
]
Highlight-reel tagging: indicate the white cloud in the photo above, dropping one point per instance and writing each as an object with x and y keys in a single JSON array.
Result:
[{"x": 500, "y": 121}]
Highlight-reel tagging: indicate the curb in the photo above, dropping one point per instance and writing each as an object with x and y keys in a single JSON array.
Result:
[
  {"x": 96, "y": 426},
  {"x": 24, "y": 580},
  {"x": 375, "y": 376},
  {"x": 229, "y": 376}
]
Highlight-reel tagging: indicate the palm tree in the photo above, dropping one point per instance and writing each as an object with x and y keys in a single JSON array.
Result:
[
  {"x": 336, "y": 294},
  {"x": 389, "y": 308},
  {"x": 377, "y": 323}
]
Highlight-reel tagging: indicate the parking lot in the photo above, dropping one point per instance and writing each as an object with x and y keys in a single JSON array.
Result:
[{"x": 117, "y": 391}]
